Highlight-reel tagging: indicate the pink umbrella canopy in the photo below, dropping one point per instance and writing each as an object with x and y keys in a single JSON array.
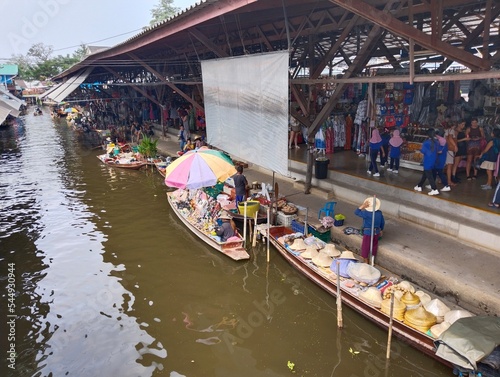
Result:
[{"x": 199, "y": 168}]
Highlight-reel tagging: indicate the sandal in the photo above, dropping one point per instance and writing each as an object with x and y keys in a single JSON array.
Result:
[
  {"x": 474, "y": 177},
  {"x": 494, "y": 205},
  {"x": 469, "y": 178}
]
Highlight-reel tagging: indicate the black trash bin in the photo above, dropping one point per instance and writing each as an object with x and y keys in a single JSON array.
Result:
[{"x": 322, "y": 168}]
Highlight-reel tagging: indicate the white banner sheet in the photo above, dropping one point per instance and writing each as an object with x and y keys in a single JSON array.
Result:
[{"x": 246, "y": 108}]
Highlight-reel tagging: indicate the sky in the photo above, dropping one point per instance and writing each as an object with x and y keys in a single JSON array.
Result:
[{"x": 66, "y": 24}]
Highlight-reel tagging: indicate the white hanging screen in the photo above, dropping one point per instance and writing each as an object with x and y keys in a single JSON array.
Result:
[{"x": 246, "y": 107}]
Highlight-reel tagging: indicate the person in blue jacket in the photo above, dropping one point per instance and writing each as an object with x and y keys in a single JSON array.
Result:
[
  {"x": 430, "y": 151},
  {"x": 386, "y": 136},
  {"x": 441, "y": 160},
  {"x": 365, "y": 211}
]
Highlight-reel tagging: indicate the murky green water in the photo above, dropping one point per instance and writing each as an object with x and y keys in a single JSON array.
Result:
[{"x": 110, "y": 283}]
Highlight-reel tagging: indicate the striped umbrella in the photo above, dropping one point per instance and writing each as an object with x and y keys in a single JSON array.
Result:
[{"x": 199, "y": 168}]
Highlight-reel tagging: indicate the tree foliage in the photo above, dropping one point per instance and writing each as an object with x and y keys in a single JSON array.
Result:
[
  {"x": 163, "y": 10},
  {"x": 38, "y": 63}
]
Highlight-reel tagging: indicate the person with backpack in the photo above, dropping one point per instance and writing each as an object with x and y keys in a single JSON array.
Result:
[
  {"x": 489, "y": 157},
  {"x": 430, "y": 151}
]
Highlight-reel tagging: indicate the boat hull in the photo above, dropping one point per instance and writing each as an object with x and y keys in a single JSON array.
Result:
[
  {"x": 233, "y": 250},
  {"x": 130, "y": 166},
  {"x": 406, "y": 333}
]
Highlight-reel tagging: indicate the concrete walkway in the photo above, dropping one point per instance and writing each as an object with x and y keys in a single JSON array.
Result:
[{"x": 459, "y": 272}]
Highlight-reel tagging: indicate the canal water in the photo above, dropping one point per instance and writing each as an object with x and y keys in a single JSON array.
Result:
[{"x": 108, "y": 282}]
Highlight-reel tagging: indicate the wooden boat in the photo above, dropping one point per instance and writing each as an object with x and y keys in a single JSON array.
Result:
[
  {"x": 326, "y": 279},
  {"x": 233, "y": 249},
  {"x": 121, "y": 162},
  {"x": 161, "y": 166}
]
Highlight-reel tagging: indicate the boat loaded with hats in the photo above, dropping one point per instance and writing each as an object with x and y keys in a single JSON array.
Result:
[{"x": 453, "y": 336}]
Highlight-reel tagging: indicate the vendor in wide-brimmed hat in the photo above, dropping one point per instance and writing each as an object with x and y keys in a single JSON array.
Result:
[
  {"x": 366, "y": 212},
  {"x": 227, "y": 229}
]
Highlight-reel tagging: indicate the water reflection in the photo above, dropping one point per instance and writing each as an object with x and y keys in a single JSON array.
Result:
[{"x": 74, "y": 316}]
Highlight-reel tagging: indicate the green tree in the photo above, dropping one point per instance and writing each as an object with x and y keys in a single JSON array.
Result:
[
  {"x": 38, "y": 64},
  {"x": 163, "y": 10}
]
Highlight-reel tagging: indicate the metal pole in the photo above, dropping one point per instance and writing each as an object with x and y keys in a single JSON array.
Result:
[
  {"x": 245, "y": 225},
  {"x": 305, "y": 222},
  {"x": 370, "y": 259},
  {"x": 268, "y": 230}
]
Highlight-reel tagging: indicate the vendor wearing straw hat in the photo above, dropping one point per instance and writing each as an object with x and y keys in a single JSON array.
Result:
[
  {"x": 227, "y": 229},
  {"x": 371, "y": 221}
]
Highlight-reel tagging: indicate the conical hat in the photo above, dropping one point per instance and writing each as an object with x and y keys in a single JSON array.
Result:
[
  {"x": 331, "y": 250},
  {"x": 298, "y": 244},
  {"x": 440, "y": 328},
  {"x": 398, "y": 308},
  {"x": 398, "y": 294},
  {"x": 310, "y": 252},
  {"x": 437, "y": 307},
  {"x": 424, "y": 297},
  {"x": 363, "y": 272},
  {"x": 410, "y": 299},
  {"x": 347, "y": 255},
  {"x": 322, "y": 260},
  {"x": 372, "y": 297},
  {"x": 420, "y": 319},
  {"x": 453, "y": 315}
]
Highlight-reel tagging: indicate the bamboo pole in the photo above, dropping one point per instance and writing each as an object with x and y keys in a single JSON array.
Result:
[
  {"x": 340, "y": 322},
  {"x": 389, "y": 336}
]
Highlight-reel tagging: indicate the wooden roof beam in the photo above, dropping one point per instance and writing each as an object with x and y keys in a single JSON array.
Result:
[
  {"x": 333, "y": 50},
  {"x": 397, "y": 27},
  {"x": 208, "y": 44},
  {"x": 164, "y": 80},
  {"x": 143, "y": 92}
]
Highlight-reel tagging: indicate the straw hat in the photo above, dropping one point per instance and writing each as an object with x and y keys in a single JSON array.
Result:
[
  {"x": 347, "y": 255},
  {"x": 372, "y": 297},
  {"x": 398, "y": 311},
  {"x": 438, "y": 329},
  {"x": 398, "y": 294},
  {"x": 363, "y": 273},
  {"x": 331, "y": 250},
  {"x": 225, "y": 216},
  {"x": 322, "y": 260},
  {"x": 411, "y": 300},
  {"x": 369, "y": 201},
  {"x": 298, "y": 244},
  {"x": 420, "y": 319},
  {"x": 453, "y": 315},
  {"x": 424, "y": 297},
  {"x": 438, "y": 308},
  {"x": 310, "y": 252}
]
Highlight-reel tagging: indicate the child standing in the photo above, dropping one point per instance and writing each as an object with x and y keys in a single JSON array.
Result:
[{"x": 395, "y": 152}]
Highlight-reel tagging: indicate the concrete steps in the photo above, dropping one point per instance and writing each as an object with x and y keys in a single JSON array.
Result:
[{"x": 465, "y": 223}]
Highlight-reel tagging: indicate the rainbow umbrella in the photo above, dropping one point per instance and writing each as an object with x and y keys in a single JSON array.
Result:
[{"x": 199, "y": 168}]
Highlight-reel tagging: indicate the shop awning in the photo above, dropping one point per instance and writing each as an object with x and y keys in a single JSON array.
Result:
[
  {"x": 11, "y": 107},
  {"x": 11, "y": 100},
  {"x": 47, "y": 93},
  {"x": 4, "y": 111},
  {"x": 59, "y": 93}
]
